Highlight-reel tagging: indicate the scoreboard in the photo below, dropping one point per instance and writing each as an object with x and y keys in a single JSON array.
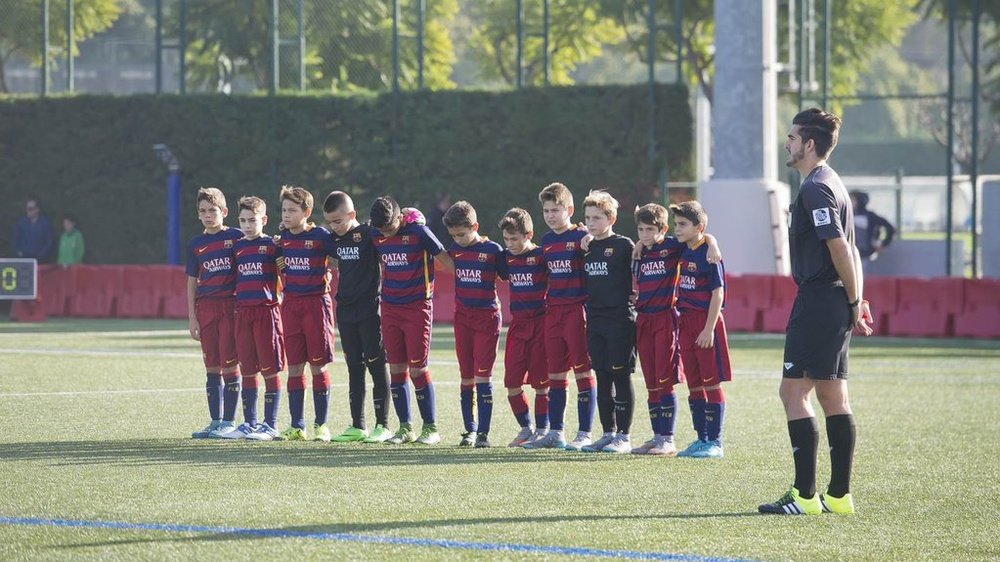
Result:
[{"x": 18, "y": 278}]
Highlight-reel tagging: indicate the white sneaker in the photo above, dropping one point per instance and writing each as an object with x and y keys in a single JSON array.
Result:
[
  {"x": 522, "y": 437},
  {"x": 582, "y": 440},
  {"x": 645, "y": 447},
  {"x": 223, "y": 429},
  {"x": 263, "y": 432},
  {"x": 601, "y": 443},
  {"x": 551, "y": 440},
  {"x": 621, "y": 444},
  {"x": 241, "y": 432},
  {"x": 665, "y": 447}
]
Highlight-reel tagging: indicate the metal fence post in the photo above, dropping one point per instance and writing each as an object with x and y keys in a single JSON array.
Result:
[
  {"x": 520, "y": 43},
  {"x": 275, "y": 48},
  {"x": 977, "y": 11},
  {"x": 70, "y": 67},
  {"x": 395, "y": 46},
  {"x": 421, "y": 15},
  {"x": 45, "y": 47},
  {"x": 547, "y": 61},
  {"x": 651, "y": 64},
  {"x": 302, "y": 45},
  {"x": 827, "y": 26},
  {"x": 182, "y": 47},
  {"x": 949, "y": 170},
  {"x": 159, "y": 46}
]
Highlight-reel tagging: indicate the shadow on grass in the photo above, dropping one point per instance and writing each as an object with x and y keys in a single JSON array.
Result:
[{"x": 158, "y": 452}]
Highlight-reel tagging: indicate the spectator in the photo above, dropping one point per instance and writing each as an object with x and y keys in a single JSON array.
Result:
[
  {"x": 872, "y": 232},
  {"x": 71, "y": 246},
  {"x": 33, "y": 234}
]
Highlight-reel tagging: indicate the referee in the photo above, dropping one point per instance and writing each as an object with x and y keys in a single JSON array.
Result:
[{"x": 827, "y": 269}]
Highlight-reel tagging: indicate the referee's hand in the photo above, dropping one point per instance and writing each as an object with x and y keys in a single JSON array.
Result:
[{"x": 861, "y": 318}]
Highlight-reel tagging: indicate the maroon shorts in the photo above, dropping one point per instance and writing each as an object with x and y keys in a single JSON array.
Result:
[
  {"x": 703, "y": 366},
  {"x": 657, "y": 347},
  {"x": 308, "y": 324},
  {"x": 216, "y": 319},
  {"x": 566, "y": 339},
  {"x": 524, "y": 354},
  {"x": 260, "y": 342},
  {"x": 406, "y": 331},
  {"x": 477, "y": 333}
]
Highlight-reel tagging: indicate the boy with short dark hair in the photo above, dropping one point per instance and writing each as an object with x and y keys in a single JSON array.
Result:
[
  {"x": 565, "y": 320},
  {"x": 306, "y": 311},
  {"x": 211, "y": 304},
  {"x": 358, "y": 320},
  {"x": 477, "y": 318},
  {"x": 610, "y": 322},
  {"x": 704, "y": 347},
  {"x": 408, "y": 250},
  {"x": 523, "y": 267}
]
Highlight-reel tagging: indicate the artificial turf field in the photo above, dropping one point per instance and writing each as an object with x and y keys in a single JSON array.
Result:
[{"x": 96, "y": 462}]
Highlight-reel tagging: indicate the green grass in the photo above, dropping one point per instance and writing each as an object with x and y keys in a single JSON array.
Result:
[{"x": 925, "y": 477}]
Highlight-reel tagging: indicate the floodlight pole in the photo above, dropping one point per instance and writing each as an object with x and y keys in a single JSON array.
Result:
[{"x": 173, "y": 202}]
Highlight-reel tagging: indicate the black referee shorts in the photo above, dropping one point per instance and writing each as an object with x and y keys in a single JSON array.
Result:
[
  {"x": 818, "y": 334},
  {"x": 611, "y": 343}
]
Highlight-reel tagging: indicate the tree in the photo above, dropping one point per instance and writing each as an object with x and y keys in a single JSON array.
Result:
[
  {"x": 578, "y": 32},
  {"x": 20, "y": 28}
]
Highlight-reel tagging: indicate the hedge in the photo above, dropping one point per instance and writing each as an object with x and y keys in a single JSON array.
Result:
[{"x": 91, "y": 155}]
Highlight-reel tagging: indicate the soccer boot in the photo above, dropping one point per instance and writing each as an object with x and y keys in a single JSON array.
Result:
[
  {"x": 292, "y": 434},
  {"x": 482, "y": 441},
  {"x": 240, "y": 432},
  {"x": 263, "y": 432},
  {"x": 693, "y": 448},
  {"x": 223, "y": 428},
  {"x": 840, "y": 506},
  {"x": 205, "y": 433},
  {"x": 321, "y": 432},
  {"x": 664, "y": 447},
  {"x": 522, "y": 437},
  {"x": 468, "y": 439},
  {"x": 351, "y": 434},
  {"x": 645, "y": 447},
  {"x": 621, "y": 445},
  {"x": 710, "y": 450},
  {"x": 429, "y": 435},
  {"x": 553, "y": 439},
  {"x": 380, "y": 434},
  {"x": 601, "y": 443},
  {"x": 582, "y": 440},
  {"x": 793, "y": 504},
  {"x": 403, "y": 435}
]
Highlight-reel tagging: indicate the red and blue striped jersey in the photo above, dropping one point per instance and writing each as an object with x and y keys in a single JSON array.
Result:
[
  {"x": 696, "y": 278},
  {"x": 210, "y": 261},
  {"x": 528, "y": 277},
  {"x": 656, "y": 273},
  {"x": 476, "y": 274},
  {"x": 256, "y": 271},
  {"x": 408, "y": 264},
  {"x": 306, "y": 257},
  {"x": 567, "y": 278}
]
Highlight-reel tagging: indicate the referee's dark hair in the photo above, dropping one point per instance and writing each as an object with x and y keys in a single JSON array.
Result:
[
  {"x": 692, "y": 211},
  {"x": 460, "y": 214},
  {"x": 819, "y": 126},
  {"x": 385, "y": 211}
]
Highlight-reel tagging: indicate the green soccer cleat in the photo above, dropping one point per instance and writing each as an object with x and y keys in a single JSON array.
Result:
[
  {"x": 793, "y": 504},
  {"x": 321, "y": 433},
  {"x": 292, "y": 434},
  {"x": 693, "y": 448},
  {"x": 205, "y": 433},
  {"x": 468, "y": 439},
  {"x": 840, "y": 506},
  {"x": 429, "y": 435},
  {"x": 403, "y": 435},
  {"x": 350, "y": 435},
  {"x": 380, "y": 434}
]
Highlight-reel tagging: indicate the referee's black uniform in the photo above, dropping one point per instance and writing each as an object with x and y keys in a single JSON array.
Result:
[
  {"x": 611, "y": 328},
  {"x": 819, "y": 329},
  {"x": 358, "y": 321}
]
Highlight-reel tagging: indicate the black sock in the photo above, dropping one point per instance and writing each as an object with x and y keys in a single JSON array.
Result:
[
  {"x": 804, "y": 434},
  {"x": 605, "y": 401},
  {"x": 380, "y": 389},
  {"x": 356, "y": 389},
  {"x": 624, "y": 399},
  {"x": 840, "y": 431}
]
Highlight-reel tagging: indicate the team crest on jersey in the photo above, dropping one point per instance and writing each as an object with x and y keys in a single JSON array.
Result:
[
  {"x": 229, "y": 243},
  {"x": 309, "y": 244},
  {"x": 692, "y": 266},
  {"x": 406, "y": 239},
  {"x": 664, "y": 253},
  {"x": 532, "y": 260},
  {"x": 483, "y": 257},
  {"x": 608, "y": 252},
  {"x": 357, "y": 237},
  {"x": 570, "y": 245},
  {"x": 262, "y": 249}
]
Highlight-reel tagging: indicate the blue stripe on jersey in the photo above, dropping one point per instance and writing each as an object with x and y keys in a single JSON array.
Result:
[
  {"x": 256, "y": 271},
  {"x": 408, "y": 264},
  {"x": 567, "y": 278},
  {"x": 655, "y": 275},
  {"x": 476, "y": 274},
  {"x": 696, "y": 278},
  {"x": 528, "y": 276},
  {"x": 210, "y": 261},
  {"x": 305, "y": 256}
]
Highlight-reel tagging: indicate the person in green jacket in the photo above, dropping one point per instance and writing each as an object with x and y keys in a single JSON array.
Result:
[{"x": 70, "y": 243}]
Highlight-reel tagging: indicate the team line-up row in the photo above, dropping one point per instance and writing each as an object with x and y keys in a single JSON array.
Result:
[{"x": 596, "y": 299}]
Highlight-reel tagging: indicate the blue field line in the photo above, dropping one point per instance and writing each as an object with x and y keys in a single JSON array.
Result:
[{"x": 355, "y": 538}]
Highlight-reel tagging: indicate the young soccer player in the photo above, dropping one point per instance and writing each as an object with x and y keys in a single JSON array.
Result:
[
  {"x": 408, "y": 250},
  {"x": 259, "y": 338},
  {"x": 211, "y": 303},
  {"x": 565, "y": 320},
  {"x": 477, "y": 318},
  {"x": 358, "y": 320},
  {"x": 656, "y": 324},
  {"x": 523, "y": 267},
  {"x": 610, "y": 322},
  {"x": 704, "y": 348},
  {"x": 306, "y": 311}
]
